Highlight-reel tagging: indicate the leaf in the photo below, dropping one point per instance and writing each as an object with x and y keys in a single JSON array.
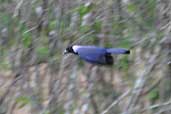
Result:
[
  {"x": 97, "y": 25},
  {"x": 153, "y": 95},
  {"x": 82, "y": 9},
  {"x": 123, "y": 63},
  {"x": 108, "y": 44},
  {"x": 84, "y": 28},
  {"x": 131, "y": 7},
  {"x": 46, "y": 112},
  {"x": 4, "y": 18},
  {"x": 42, "y": 54},
  {"x": 125, "y": 43},
  {"x": 26, "y": 39},
  {"x": 52, "y": 25},
  {"x": 4, "y": 65},
  {"x": 42, "y": 51},
  {"x": 23, "y": 100}
]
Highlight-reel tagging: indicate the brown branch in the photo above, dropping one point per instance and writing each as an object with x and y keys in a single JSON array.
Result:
[
  {"x": 156, "y": 106},
  {"x": 16, "y": 78},
  {"x": 139, "y": 84},
  {"x": 157, "y": 82},
  {"x": 116, "y": 101}
]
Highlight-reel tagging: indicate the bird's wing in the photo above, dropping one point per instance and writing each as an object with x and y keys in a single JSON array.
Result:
[
  {"x": 92, "y": 54},
  {"x": 117, "y": 51}
]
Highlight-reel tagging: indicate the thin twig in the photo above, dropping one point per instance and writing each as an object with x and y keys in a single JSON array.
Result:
[
  {"x": 152, "y": 86},
  {"x": 31, "y": 29},
  {"x": 156, "y": 106},
  {"x": 164, "y": 109},
  {"x": 14, "y": 81},
  {"x": 82, "y": 37},
  {"x": 139, "y": 84},
  {"x": 161, "y": 105},
  {"x": 16, "y": 11},
  {"x": 116, "y": 102}
]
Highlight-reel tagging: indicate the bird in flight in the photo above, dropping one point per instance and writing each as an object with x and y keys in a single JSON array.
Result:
[{"x": 95, "y": 55}]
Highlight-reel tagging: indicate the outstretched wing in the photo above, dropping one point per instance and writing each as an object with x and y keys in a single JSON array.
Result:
[
  {"x": 117, "y": 51},
  {"x": 92, "y": 54}
]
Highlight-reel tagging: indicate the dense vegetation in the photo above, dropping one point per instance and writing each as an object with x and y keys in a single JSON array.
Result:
[{"x": 36, "y": 78}]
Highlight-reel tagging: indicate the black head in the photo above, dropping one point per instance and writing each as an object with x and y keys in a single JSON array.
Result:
[{"x": 69, "y": 49}]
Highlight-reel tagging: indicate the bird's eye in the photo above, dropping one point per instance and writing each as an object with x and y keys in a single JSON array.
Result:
[{"x": 65, "y": 52}]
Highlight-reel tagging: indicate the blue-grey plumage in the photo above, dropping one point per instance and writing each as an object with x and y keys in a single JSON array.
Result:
[
  {"x": 96, "y": 55},
  {"x": 117, "y": 51}
]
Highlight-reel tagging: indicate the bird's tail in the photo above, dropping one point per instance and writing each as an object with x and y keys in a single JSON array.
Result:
[{"x": 118, "y": 51}]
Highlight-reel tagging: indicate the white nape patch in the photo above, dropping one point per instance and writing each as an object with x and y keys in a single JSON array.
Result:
[{"x": 75, "y": 48}]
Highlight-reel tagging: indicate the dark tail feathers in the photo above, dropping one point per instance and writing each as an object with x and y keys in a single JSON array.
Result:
[{"x": 118, "y": 51}]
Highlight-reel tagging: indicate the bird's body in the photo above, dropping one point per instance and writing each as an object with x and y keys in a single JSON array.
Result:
[{"x": 96, "y": 55}]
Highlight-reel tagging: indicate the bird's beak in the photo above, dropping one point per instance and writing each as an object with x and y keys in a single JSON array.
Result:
[{"x": 65, "y": 52}]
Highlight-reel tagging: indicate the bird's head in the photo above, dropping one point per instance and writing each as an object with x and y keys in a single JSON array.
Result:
[
  {"x": 69, "y": 49},
  {"x": 72, "y": 49}
]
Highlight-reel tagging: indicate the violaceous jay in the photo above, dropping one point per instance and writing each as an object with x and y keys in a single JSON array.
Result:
[{"x": 95, "y": 55}]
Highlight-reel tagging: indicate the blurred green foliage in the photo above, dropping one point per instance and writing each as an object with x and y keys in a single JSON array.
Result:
[
  {"x": 153, "y": 95},
  {"x": 4, "y": 65},
  {"x": 97, "y": 25},
  {"x": 23, "y": 100},
  {"x": 84, "y": 9},
  {"x": 4, "y": 19},
  {"x": 125, "y": 43},
  {"x": 123, "y": 63},
  {"x": 26, "y": 39},
  {"x": 131, "y": 7},
  {"x": 42, "y": 51},
  {"x": 52, "y": 24},
  {"x": 139, "y": 19}
]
